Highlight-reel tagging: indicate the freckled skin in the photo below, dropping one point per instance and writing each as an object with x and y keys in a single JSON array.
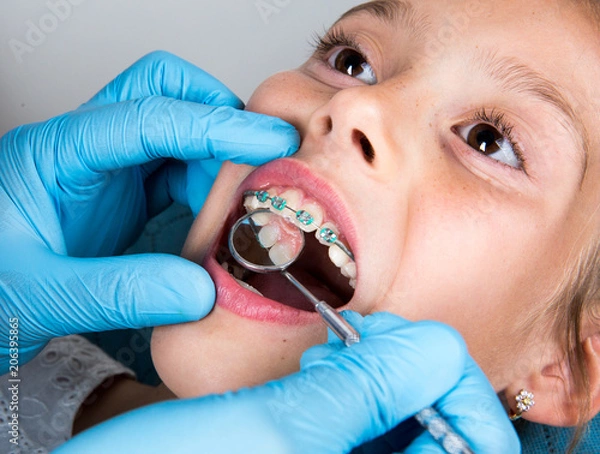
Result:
[{"x": 444, "y": 233}]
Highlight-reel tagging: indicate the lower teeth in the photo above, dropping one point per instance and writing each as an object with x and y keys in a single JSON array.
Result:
[{"x": 248, "y": 287}]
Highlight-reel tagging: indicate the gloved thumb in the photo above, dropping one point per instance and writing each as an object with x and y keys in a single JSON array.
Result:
[
  {"x": 76, "y": 295},
  {"x": 145, "y": 290}
]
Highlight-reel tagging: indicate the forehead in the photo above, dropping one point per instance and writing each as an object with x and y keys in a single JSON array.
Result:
[{"x": 392, "y": 10}]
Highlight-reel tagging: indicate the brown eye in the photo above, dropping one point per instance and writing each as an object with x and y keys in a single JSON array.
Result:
[
  {"x": 485, "y": 138},
  {"x": 350, "y": 62}
]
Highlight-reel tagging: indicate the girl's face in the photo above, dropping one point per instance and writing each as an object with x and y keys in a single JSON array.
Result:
[{"x": 447, "y": 142}]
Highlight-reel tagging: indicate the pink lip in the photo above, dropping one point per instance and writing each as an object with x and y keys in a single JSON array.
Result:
[{"x": 234, "y": 298}]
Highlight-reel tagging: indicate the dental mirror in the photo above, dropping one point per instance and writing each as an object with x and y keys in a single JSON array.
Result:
[{"x": 265, "y": 242}]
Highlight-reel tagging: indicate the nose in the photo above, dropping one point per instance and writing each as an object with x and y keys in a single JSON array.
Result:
[{"x": 352, "y": 122}]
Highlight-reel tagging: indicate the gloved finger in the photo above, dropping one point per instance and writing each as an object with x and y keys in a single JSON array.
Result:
[
  {"x": 333, "y": 342},
  {"x": 100, "y": 294},
  {"x": 476, "y": 414},
  {"x": 136, "y": 132},
  {"x": 163, "y": 74}
]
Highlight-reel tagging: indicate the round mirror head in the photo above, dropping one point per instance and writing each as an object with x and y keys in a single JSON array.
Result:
[{"x": 263, "y": 241}]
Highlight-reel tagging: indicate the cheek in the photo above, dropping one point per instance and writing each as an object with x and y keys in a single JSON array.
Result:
[
  {"x": 290, "y": 96},
  {"x": 458, "y": 266}
]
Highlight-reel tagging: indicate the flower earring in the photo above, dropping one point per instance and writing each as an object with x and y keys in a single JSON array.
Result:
[{"x": 524, "y": 403}]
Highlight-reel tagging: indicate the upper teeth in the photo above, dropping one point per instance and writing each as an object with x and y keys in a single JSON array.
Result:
[{"x": 307, "y": 215}]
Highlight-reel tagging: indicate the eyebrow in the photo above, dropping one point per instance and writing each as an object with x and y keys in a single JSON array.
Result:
[
  {"x": 515, "y": 76},
  {"x": 389, "y": 11}
]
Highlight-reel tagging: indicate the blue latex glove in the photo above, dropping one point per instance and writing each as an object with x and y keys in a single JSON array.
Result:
[
  {"x": 81, "y": 185},
  {"x": 341, "y": 398}
]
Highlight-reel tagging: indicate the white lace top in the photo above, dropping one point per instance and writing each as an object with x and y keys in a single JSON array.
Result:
[{"x": 51, "y": 389}]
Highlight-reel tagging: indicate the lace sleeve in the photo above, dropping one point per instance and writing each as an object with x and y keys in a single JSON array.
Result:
[{"x": 50, "y": 390}]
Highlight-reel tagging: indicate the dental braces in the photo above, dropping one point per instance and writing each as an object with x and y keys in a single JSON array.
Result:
[{"x": 304, "y": 217}]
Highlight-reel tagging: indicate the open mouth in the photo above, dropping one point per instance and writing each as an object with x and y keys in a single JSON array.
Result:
[{"x": 325, "y": 266}]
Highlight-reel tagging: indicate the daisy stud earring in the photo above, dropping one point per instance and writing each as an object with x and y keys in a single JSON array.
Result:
[{"x": 524, "y": 401}]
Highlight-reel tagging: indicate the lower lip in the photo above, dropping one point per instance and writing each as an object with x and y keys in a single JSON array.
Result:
[{"x": 234, "y": 298}]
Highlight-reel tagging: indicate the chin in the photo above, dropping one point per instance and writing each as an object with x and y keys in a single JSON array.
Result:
[{"x": 260, "y": 325}]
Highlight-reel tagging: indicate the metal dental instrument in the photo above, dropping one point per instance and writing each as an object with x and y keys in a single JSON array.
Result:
[
  {"x": 247, "y": 249},
  {"x": 330, "y": 316}
]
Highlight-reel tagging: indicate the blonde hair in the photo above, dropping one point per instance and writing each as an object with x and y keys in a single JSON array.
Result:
[{"x": 577, "y": 304}]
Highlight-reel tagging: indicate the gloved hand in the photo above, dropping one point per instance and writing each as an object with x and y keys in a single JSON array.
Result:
[
  {"x": 81, "y": 185},
  {"x": 341, "y": 398}
]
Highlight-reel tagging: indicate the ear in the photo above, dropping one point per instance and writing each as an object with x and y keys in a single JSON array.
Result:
[{"x": 554, "y": 394}]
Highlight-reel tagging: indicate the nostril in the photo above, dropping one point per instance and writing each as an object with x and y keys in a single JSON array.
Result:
[
  {"x": 328, "y": 125},
  {"x": 366, "y": 146}
]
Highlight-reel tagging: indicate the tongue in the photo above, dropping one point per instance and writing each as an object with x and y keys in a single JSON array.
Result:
[{"x": 276, "y": 287}]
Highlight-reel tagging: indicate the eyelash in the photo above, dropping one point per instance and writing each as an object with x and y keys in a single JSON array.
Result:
[
  {"x": 323, "y": 44},
  {"x": 498, "y": 120}
]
